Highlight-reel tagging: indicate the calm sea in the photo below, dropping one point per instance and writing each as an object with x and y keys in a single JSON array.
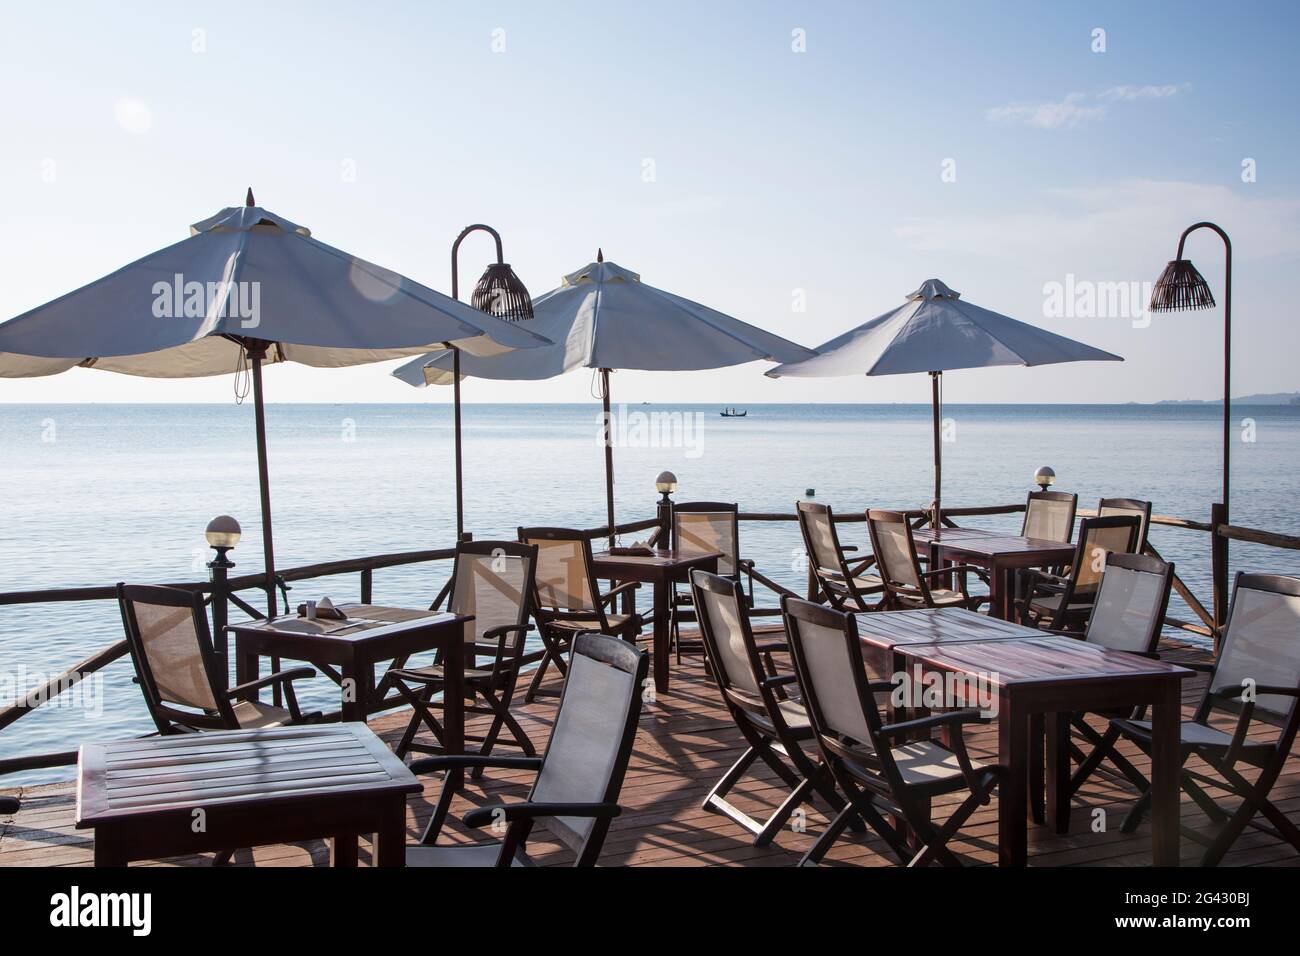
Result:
[{"x": 94, "y": 494}]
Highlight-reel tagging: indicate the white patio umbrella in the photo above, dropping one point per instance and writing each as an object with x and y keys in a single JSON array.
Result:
[
  {"x": 934, "y": 331},
  {"x": 246, "y": 287},
  {"x": 604, "y": 317}
]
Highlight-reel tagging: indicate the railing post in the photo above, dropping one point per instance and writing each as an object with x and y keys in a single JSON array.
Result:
[
  {"x": 218, "y": 569},
  {"x": 1219, "y": 569},
  {"x": 367, "y": 584}
]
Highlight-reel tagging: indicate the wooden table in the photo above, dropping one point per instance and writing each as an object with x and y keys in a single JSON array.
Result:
[
  {"x": 885, "y": 634},
  {"x": 1058, "y": 676},
  {"x": 1002, "y": 556},
  {"x": 226, "y": 790},
  {"x": 349, "y": 654},
  {"x": 661, "y": 570}
]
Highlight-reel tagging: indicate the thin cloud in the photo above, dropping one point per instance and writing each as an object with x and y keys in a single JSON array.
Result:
[
  {"x": 1142, "y": 92},
  {"x": 1067, "y": 113},
  {"x": 1077, "y": 108}
]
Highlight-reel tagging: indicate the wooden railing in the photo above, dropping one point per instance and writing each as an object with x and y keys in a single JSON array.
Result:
[{"x": 218, "y": 592}]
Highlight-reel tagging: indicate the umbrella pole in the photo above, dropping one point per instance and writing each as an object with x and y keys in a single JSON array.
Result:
[
  {"x": 256, "y": 353},
  {"x": 936, "y": 401},
  {"x": 609, "y": 454},
  {"x": 460, "y": 495}
]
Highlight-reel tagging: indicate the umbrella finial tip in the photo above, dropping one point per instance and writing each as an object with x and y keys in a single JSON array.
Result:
[
  {"x": 249, "y": 201},
  {"x": 600, "y": 254}
]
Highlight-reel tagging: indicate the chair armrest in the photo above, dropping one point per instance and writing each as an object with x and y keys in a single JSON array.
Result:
[
  {"x": 494, "y": 633},
  {"x": 1035, "y": 576},
  {"x": 615, "y": 592},
  {"x": 881, "y": 686},
  {"x": 848, "y": 547},
  {"x": 767, "y": 646},
  {"x": 510, "y": 812},
  {"x": 949, "y": 718},
  {"x": 461, "y": 761},
  {"x": 1232, "y": 691},
  {"x": 279, "y": 677},
  {"x": 780, "y": 680}
]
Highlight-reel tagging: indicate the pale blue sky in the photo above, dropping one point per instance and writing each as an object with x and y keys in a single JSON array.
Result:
[{"x": 774, "y": 170}]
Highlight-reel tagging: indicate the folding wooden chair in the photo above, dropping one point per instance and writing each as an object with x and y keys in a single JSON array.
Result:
[
  {"x": 1049, "y": 515},
  {"x": 1109, "y": 507},
  {"x": 1128, "y": 615},
  {"x": 494, "y": 582},
  {"x": 1257, "y": 679},
  {"x": 878, "y": 766},
  {"x": 906, "y": 585},
  {"x": 706, "y": 526},
  {"x": 178, "y": 671},
  {"x": 845, "y": 583},
  {"x": 773, "y": 725},
  {"x": 567, "y": 601},
  {"x": 1064, "y": 602},
  {"x": 578, "y": 777}
]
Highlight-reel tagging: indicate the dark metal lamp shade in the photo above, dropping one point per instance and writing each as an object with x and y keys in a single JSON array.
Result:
[
  {"x": 501, "y": 293},
  {"x": 1181, "y": 287}
]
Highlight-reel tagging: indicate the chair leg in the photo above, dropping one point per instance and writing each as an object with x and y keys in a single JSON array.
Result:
[
  {"x": 1134, "y": 817},
  {"x": 824, "y": 842},
  {"x": 1227, "y": 836},
  {"x": 552, "y": 653},
  {"x": 419, "y": 703},
  {"x": 1102, "y": 746},
  {"x": 1285, "y": 827}
]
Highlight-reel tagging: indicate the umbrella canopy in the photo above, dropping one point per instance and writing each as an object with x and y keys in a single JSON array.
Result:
[
  {"x": 604, "y": 317},
  {"x": 934, "y": 331},
  {"x": 245, "y": 274},
  {"x": 247, "y": 286}
]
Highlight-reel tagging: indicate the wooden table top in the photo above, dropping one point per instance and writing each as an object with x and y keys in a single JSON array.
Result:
[
  {"x": 661, "y": 558},
  {"x": 947, "y": 625},
  {"x": 160, "y": 775},
  {"x": 365, "y": 622},
  {"x": 659, "y": 568},
  {"x": 1041, "y": 660},
  {"x": 1004, "y": 546}
]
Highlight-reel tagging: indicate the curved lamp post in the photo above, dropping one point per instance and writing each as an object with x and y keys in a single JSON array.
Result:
[
  {"x": 1179, "y": 288},
  {"x": 501, "y": 293}
]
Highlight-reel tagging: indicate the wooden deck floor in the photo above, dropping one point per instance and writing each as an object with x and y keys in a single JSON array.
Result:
[{"x": 686, "y": 741}]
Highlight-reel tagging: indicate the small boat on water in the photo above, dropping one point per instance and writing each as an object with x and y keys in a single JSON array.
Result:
[{"x": 733, "y": 413}]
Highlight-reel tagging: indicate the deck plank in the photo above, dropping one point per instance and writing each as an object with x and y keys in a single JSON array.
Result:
[{"x": 685, "y": 742}]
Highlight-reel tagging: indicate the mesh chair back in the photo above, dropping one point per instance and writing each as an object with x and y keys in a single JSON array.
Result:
[
  {"x": 703, "y": 532},
  {"x": 1262, "y": 643},
  {"x": 1098, "y": 538},
  {"x": 722, "y": 623},
  {"x": 1131, "y": 603},
  {"x": 831, "y": 671},
  {"x": 1128, "y": 507},
  {"x": 492, "y": 584},
  {"x": 1049, "y": 515},
  {"x": 587, "y": 754},
  {"x": 563, "y": 572},
  {"x": 895, "y": 551},
  {"x": 167, "y": 643},
  {"x": 818, "y": 527}
]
